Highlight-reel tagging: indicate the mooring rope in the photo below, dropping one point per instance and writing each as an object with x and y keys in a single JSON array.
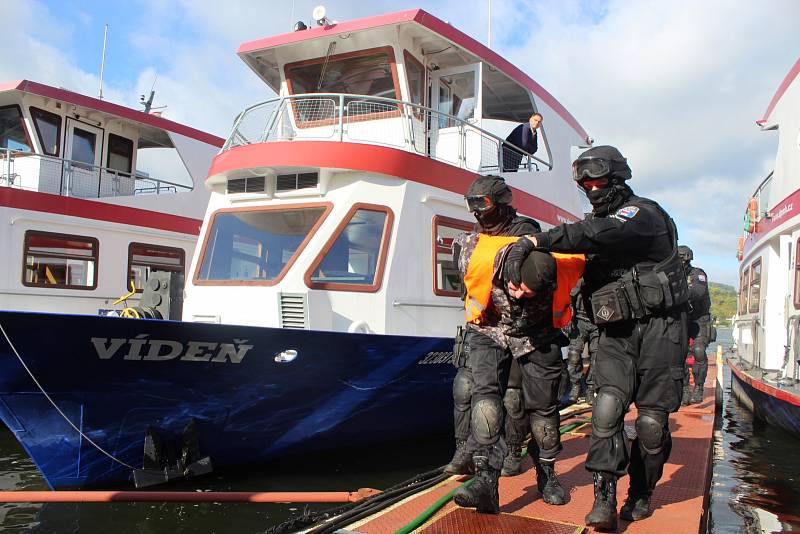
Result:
[{"x": 84, "y": 436}]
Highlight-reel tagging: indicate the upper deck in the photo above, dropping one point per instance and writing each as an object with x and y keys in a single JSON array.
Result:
[
  {"x": 405, "y": 82},
  {"x": 64, "y": 143}
]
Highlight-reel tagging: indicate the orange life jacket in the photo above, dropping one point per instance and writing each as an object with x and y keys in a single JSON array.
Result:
[{"x": 480, "y": 274}]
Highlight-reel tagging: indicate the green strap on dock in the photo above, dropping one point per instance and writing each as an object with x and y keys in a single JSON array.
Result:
[{"x": 438, "y": 505}]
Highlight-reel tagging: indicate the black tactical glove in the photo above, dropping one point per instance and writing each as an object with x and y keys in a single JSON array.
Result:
[{"x": 516, "y": 256}]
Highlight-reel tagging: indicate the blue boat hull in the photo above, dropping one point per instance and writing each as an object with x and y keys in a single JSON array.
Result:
[
  {"x": 776, "y": 406},
  {"x": 114, "y": 378}
]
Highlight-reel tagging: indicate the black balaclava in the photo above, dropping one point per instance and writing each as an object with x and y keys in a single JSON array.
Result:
[
  {"x": 686, "y": 255},
  {"x": 609, "y": 198},
  {"x": 494, "y": 220}
]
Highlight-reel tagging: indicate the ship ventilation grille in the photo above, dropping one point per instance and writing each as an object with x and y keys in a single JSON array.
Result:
[
  {"x": 292, "y": 182},
  {"x": 251, "y": 184},
  {"x": 293, "y": 310}
]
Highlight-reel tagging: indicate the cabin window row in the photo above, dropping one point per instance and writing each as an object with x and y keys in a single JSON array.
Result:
[
  {"x": 257, "y": 246},
  {"x": 64, "y": 261},
  {"x": 750, "y": 288},
  {"x": 48, "y": 127}
]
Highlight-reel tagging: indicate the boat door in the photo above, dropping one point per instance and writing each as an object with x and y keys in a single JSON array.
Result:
[
  {"x": 83, "y": 148},
  {"x": 454, "y": 93}
]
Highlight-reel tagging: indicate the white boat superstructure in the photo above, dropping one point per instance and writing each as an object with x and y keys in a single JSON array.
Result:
[
  {"x": 768, "y": 319},
  {"x": 334, "y": 205},
  {"x": 93, "y": 196}
]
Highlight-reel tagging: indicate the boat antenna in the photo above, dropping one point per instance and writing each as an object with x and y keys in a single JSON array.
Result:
[
  {"x": 103, "y": 61},
  {"x": 148, "y": 103},
  {"x": 489, "y": 44}
]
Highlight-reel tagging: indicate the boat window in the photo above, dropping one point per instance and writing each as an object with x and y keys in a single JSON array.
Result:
[
  {"x": 13, "y": 134},
  {"x": 743, "y": 290},
  {"x": 415, "y": 74},
  {"x": 457, "y": 97},
  {"x": 256, "y": 245},
  {"x": 353, "y": 259},
  {"x": 120, "y": 154},
  {"x": 144, "y": 259},
  {"x": 446, "y": 278},
  {"x": 755, "y": 286},
  {"x": 366, "y": 72},
  {"x": 60, "y": 261},
  {"x": 48, "y": 128}
]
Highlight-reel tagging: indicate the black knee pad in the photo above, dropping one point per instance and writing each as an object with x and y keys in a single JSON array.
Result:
[
  {"x": 607, "y": 412},
  {"x": 487, "y": 420},
  {"x": 462, "y": 390},
  {"x": 513, "y": 402},
  {"x": 545, "y": 432},
  {"x": 651, "y": 428}
]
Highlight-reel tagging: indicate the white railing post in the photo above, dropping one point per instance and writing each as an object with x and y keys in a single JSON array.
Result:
[{"x": 341, "y": 117}]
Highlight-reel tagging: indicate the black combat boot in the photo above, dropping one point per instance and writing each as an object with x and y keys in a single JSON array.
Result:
[
  {"x": 548, "y": 484},
  {"x": 512, "y": 464},
  {"x": 575, "y": 392},
  {"x": 697, "y": 395},
  {"x": 686, "y": 396},
  {"x": 604, "y": 512},
  {"x": 484, "y": 492},
  {"x": 589, "y": 395},
  {"x": 461, "y": 464},
  {"x": 636, "y": 507}
]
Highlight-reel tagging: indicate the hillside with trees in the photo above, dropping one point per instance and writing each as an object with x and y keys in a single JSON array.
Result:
[{"x": 723, "y": 301}]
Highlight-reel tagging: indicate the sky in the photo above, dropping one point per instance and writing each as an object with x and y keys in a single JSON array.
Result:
[{"x": 676, "y": 85}]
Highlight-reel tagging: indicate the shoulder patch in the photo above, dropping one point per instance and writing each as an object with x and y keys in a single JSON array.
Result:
[
  {"x": 627, "y": 213},
  {"x": 701, "y": 277}
]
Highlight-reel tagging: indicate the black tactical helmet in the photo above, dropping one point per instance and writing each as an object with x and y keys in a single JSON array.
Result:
[
  {"x": 486, "y": 192},
  {"x": 685, "y": 253},
  {"x": 601, "y": 161}
]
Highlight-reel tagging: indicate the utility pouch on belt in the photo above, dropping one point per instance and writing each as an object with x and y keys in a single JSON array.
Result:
[
  {"x": 610, "y": 304},
  {"x": 459, "y": 350}
]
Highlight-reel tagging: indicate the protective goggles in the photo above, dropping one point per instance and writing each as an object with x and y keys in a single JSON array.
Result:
[
  {"x": 479, "y": 203},
  {"x": 590, "y": 168}
]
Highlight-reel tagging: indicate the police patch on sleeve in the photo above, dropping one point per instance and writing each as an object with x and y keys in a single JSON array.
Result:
[
  {"x": 701, "y": 277},
  {"x": 627, "y": 213}
]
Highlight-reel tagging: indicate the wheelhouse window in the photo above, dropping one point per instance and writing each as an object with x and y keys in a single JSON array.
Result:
[
  {"x": 415, "y": 74},
  {"x": 48, "y": 128},
  {"x": 367, "y": 72},
  {"x": 120, "y": 154},
  {"x": 354, "y": 258},
  {"x": 755, "y": 286},
  {"x": 144, "y": 259},
  {"x": 256, "y": 246},
  {"x": 60, "y": 261},
  {"x": 446, "y": 278},
  {"x": 13, "y": 134},
  {"x": 743, "y": 290}
]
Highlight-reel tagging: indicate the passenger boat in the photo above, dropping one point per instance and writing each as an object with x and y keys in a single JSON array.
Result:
[
  {"x": 766, "y": 368},
  {"x": 322, "y": 301},
  {"x": 93, "y": 196}
]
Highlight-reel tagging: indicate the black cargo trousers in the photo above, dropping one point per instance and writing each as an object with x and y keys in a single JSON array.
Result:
[
  {"x": 700, "y": 333},
  {"x": 640, "y": 361},
  {"x": 541, "y": 375},
  {"x": 584, "y": 333}
]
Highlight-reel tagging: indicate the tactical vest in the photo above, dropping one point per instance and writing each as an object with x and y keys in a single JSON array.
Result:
[
  {"x": 479, "y": 277},
  {"x": 644, "y": 288},
  {"x": 701, "y": 306}
]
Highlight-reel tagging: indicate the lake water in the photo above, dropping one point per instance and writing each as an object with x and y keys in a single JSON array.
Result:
[{"x": 755, "y": 487}]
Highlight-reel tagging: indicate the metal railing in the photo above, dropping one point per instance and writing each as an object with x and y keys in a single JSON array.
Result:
[
  {"x": 380, "y": 121},
  {"x": 59, "y": 176}
]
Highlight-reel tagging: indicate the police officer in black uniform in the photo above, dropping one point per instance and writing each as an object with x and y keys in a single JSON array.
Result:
[
  {"x": 583, "y": 333},
  {"x": 638, "y": 297},
  {"x": 489, "y": 199},
  {"x": 699, "y": 325}
]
